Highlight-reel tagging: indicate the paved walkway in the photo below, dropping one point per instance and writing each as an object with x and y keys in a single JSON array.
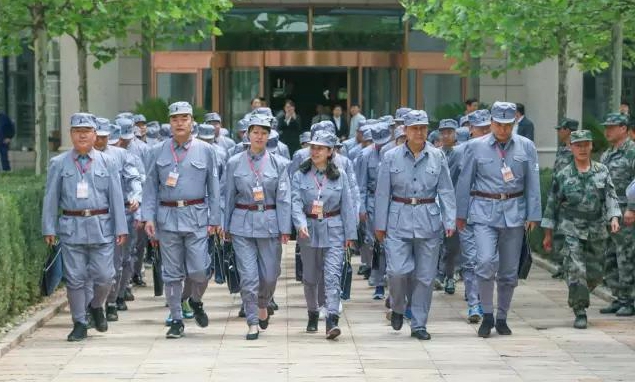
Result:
[{"x": 544, "y": 347}]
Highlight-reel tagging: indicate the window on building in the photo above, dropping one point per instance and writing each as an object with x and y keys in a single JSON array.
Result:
[
  {"x": 358, "y": 29},
  {"x": 380, "y": 91},
  {"x": 419, "y": 41},
  {"x": 264, "y": 29},
  {"x": 439, "y": 92},
  {"x": 177, "y": 87}
]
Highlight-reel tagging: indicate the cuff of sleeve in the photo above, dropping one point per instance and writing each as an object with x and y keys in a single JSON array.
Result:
[
  {"x": 630, "y": 206},
  {"x": 547, "y": 223}
]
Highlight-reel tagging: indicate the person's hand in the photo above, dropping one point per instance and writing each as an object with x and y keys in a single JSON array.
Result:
[
  {"x": 227, "y": 236},
  {"x": 134, "y": 205},
  {"x": 449, "y": 232},
  {"x": 380, "y": 235},
  {"x": 49, "y": 240},
  {"x": 615, "y": 225},
  {"x": 121, "y": 239},
  {"x": 150, "y": 229},
  {"x": 362, "y": 217},
  {"x": 214, "y": 229},
  {"x": 303, "y": 232},
  {"x": 349, "y": 244},
  {"x": 629, "y": 217},
  {"x": 547, "y": 242},
  {"x": 460, "y": 224},
  {"x": 284, "y": 238},
  {"x": 530, "y": 226}
]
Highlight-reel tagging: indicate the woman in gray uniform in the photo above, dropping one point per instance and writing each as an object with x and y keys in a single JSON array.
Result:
[
  {"x": 257, "y": 221},
  {"x": 325, "y": 217}
]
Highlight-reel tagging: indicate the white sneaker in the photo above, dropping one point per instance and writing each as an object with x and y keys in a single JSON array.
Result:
[
  {"x": 322, "y": 312},
  {"x": 341, "y": 308}
]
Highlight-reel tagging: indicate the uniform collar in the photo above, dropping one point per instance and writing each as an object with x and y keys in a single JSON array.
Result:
[
  {"x": 89, "y": 155},
  {"x": 492, "y": 139},
  {"x": 256, "y": 157},
  {"x": 424, "y": 152},
  {"x": 184, "y": 146}
]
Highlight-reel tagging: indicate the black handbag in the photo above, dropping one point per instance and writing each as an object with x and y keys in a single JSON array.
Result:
[
  {"x": 230, "y": 268},
  {"x": 347, "y": 275},
  {"x": 217, "y": 260},
  {"x": 376, "y": 255},
  {"x": 524, "y": 265},
  {"x": 298, "y": 263},
  {"x": 157, "y": 277},
  {"x": 53, "y": 271}
]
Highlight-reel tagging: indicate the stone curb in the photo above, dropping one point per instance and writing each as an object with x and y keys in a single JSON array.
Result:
[
  {"x": 20, "y": 333},
  {"x": 600, "y": 291}
]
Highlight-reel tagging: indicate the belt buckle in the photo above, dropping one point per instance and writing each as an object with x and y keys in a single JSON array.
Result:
[
  {"x": 504, "y": 196},
  {"x": 180, "y": 203},
  {"x": 320, "y": 216},
  {"x": 86, "y": 213},
  {"x": 261, "y": 207},
  {"x": 413, "y": 201}
]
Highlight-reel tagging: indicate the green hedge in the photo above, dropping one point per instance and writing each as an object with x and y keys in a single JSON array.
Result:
[{"x": 22, "y": 250}]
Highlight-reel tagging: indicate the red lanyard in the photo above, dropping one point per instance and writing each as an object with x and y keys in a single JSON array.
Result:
[
  {"x": 501, "y": 153},
  {"x": 318, "y": 183},
  {"x": 81, "y": 168},
  {"x": 253, "y": 168},
  {"x": 178, "y": 158}
]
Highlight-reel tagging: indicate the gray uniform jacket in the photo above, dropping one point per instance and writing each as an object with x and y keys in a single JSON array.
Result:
[
  {"x": 368, "y": 169},
  {"x": 198, "y": 179},
  {"x": 225, "y": 142},
  {"x": 481, "y": 171},
  {"x": 239, "y": 190},
  {"x": 453, "y": 156},
  {"x": 140, "y": 149},
  {"x": 104, "y": 192},
  {"x": 403, "y": 176},
  {"x": 330, "y": 231},
  {"x": 387, "y": 147},
  {"x": 128, "y": 165}
]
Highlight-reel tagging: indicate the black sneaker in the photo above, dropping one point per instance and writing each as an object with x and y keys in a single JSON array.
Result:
[
  {"x": 486, "y": 326},
  {"x": 176, "y": 329},
  {"x": 273, "y": 304},
  {"x": 450, "y": 285},
  {"x": 626, "y": 310},
  {"x": 612, "y": 308},
  {"x": 99, "y": 318},
  {"x": 121, "y": 304},
  {"x": 128, "y": 296},
  {"x": 420, "y": 334},
  {"x": 199, "y": 313},
  {"x": 90, "y": 323},
  {"x": 332, "y": 328},
  {"x": 79, "y": 332},
  {"x": 502, "y": 328},
  {"x": 264, "y": 324},
  {"x": 138, "y": 281},
  {"x": 312, "y": 325},
  {"x": 111, "y": 313},
  {"x": 241, "y": 312},
  {"x": 396, "y": 320},
  {"x": 580, "y": 321}
]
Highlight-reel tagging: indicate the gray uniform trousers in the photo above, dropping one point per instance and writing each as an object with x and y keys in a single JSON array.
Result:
[
  {"x": 184, "y": 255},
  {"x": 448, "y": 256},
  {"x": 141, "y": 243},
  {"x": 87, "y": 267},
  {"x": 122, "y": 262},
  {"x": 377, "y": 276},
  {"x": 468, "y": 264},
  {"x": 411, "y": 268},
  {"x": 498, "y": 256},
  {"x": 258, "y": 262},
  {"x": 322, "y": 266}
]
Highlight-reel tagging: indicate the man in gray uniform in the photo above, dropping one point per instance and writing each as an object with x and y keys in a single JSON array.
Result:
[
  {"x": 215, "y": 120},
  {"x": 181, "y": 209},
  {"x": 500, "y": 172},
  {"x": 407, "y": 216},
  {"x": 85, "y": 185}
]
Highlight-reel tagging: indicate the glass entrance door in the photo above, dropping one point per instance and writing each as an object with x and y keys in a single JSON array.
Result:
[
  {"x": 239, "y": 86},
  {"x": 380, "y": 91}
]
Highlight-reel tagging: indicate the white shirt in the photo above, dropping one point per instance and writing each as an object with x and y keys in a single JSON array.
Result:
[
  {"x": 338, "y": 122},
  {"x": 515, "y": 129}
]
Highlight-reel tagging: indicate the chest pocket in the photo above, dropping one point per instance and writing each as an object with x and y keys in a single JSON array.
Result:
[
  {"x": 395, "y": 174},
  {"x": 431, "y": 176},
  {"x": 199, "y": 165},
  {"x": 484, "y": 163},
  {"x": 518, "y": 164},
  {"x": 163, "y": 169},
  {"x": 101, "y": 179}
]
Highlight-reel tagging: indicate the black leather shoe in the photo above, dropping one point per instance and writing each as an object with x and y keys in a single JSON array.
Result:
[
  {"x": 121, "y": 304},
  {"x": 138, "y": 281},
  {"x": 626, "y": 310},
  {"x": 312, "y": 325},
  {"x": 176, "y": 329},
  {"x": 252, "y": 336},
  {"x": 79, "y": 332},
  {"x": 396, "y": 320},
  {"x": 199, "y": 313},
  {"x": 502, "y": 328},
  {"x": 332, "y": 328},
  {"x": 264, "y": 324},
  {"x": 486, "y": 326},
  {"x": 128, "y": 296},
  {"x": 273, "y": 304},
  {"x": 241, "y": 312},
  {"x": 361, "y": 270},
  {"x": 111, "y": 313},
  {"x": 580, "y": 321},
  {"x": 270, "y": 310},
  {"x": 90, "y": 323},
  {"x": 450, "y": 285},
  {"x": 367, "y": 272},
  {"x": 612, "y": 308},
  {"x": 99, "y": 318},
  {"x": 420, "y": 334}
]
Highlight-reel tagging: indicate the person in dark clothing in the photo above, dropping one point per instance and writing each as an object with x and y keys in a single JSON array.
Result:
[
  {"x": 7, "y": 131},
  {"x": 290, "y": 125},
  {"x": 524, "y": 126}
]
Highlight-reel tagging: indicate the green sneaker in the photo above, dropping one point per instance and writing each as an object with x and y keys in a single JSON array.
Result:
[{"x": 188, "y": 313}]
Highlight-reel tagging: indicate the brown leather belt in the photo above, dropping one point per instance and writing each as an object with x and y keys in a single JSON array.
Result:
[
  {"x": 182, "y": 203},
  {"x": 497, "y": 196},
  {"x": 413, "y": 201},
  {"x": 85, "y": 213},
  {"x": 255, "y": 207},
  {"x": 325, "y": 215}
]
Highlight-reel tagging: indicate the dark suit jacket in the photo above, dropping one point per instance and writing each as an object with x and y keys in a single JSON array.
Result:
[
  {"x": 7, "y": 130},
  {"x": 290, "y": 133},
  {"x": 526, "y": 128},
  {"x": 343, "y": 130}
]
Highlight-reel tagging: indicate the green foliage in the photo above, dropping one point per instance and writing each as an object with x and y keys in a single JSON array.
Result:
[
  {"x": 22, "y": 250},
  {"x": 156, "y": 109},
  {"x": 600, "y": 144}
]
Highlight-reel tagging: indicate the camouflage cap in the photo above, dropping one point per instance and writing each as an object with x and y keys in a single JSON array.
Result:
[
  {"x": 615, "y": 119},
  {"x": 568, "y": 123},
  {"x": 448, "y": 124},
  {"x": 581, "y": 136}
]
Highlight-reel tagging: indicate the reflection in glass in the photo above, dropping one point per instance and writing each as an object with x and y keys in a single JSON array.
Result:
[
  {"x": 241, "y": 86},
  {"x": 380, "y": 91},
  {"x": 440, "y": 90},
  {"x": 174, "y": 87}
]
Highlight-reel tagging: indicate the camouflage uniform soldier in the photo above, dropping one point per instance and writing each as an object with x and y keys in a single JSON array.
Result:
[
  {"x": 563, "y": 158},
  {"x": 619, "y": 266},
  {"x": 581, "y": 192}
]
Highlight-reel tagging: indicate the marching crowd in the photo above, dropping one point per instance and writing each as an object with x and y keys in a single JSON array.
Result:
[{"x": 418, "y": 205}]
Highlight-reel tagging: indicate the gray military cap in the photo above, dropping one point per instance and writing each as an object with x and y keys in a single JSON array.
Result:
[
  {"x": 264, "y": 111},
  {"x": 434, "y": 136},
  {"x": 365, "y": 122},
  {"x": 243, "y": 124},
  {"x": 380, "y": 133},
  {"x": 367, "y": 134},
  {"x": 320, "y": 126},
  {"x": 387, "y": 119},
  {"x": 399, "y": 132},
  {"x": 480, "y": 118},
  {"x": 462, "y": 134},
  {"x": 504, "y": 112},
  {"x": 272, "y": 141},
  {"x": 399, "y": 114},
  {"x": 260, "y": 120},
  {"x": 212, "y": 117},
  {"x": 324, "y": 138},
  {"x": 127, "y": 128},
  {"x": 165, "y": 131},
  {"x": 464, "y": 121},
  {"x": 305, "y": 137},
  {"x": 103, "y": 127},
  {"x": 153, "y": 130},
  {"x": 139, "y": 118},
  {"x": 83, "y": 120},
  {"x": 125, "y": 114},
  {"x": 416, "y": 117},
  {"x": 448, "y": 124},
  {"x": 115, "y": 134},
  {"x": 180, "y": 107},
  {"x": 206, "y": 131}
]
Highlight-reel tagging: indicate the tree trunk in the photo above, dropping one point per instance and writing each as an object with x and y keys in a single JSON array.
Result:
[
  {"x": 563, "y": 71},
  {"x": 617, "y": 40},
  {"x": 82, "y": 65},
  {"x": 40, "y": 46}
]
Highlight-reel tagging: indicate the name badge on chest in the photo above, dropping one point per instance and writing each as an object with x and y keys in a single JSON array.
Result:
[
  {"x": 82, "y": 189},
  {"x": 173, "y": 178},
  {"x": 317, "y": 208},
  {"x": 508, "y": 175},
  {"x": 258, "y": 193}
]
